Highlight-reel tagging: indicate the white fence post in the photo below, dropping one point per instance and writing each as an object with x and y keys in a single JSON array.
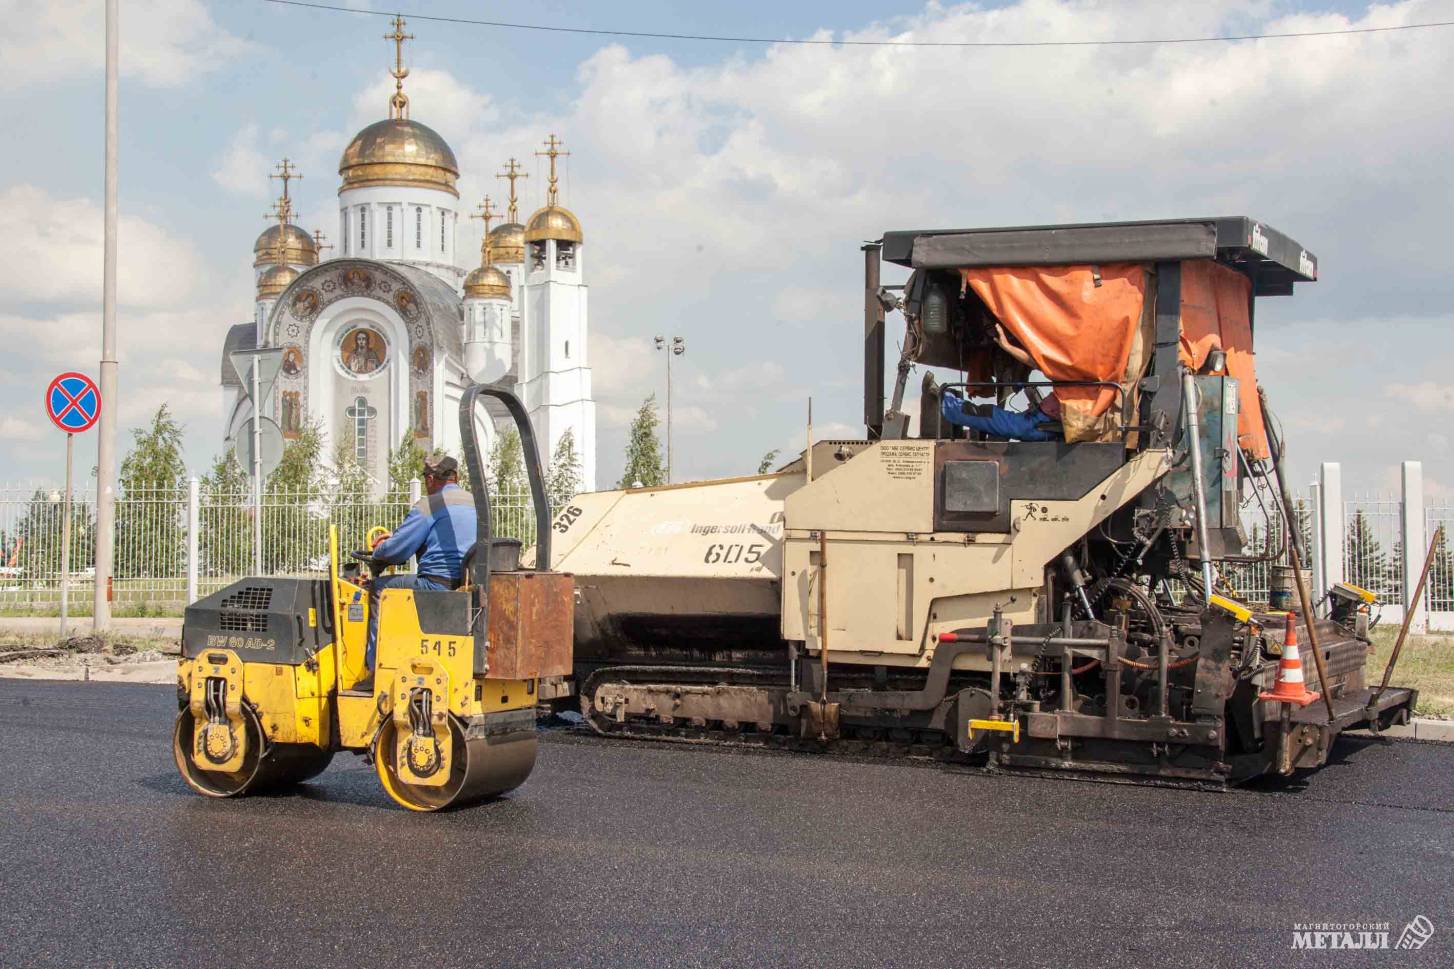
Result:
[
  {"x": 1330, "y": 524},
  {"x": 416, "y": 491},
  {"x": 1315, "y": 545},
  {"x": 194, "y": 504},
  {"x": 1415, "y": 544}
]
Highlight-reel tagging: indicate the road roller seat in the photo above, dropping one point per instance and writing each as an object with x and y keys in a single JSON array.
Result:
[{"x": 504, "y": 557}]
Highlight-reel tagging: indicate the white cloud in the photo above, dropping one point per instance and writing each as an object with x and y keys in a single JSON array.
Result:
[
  {"x": 243, "y": 168},
  {"x": 62, "y": 242},
  {"x": 437, "y": 98},
  {"x": 1426, "y": 396},
  {"x": 15, "y": 429},
  {"x": 164, "y": 43}
]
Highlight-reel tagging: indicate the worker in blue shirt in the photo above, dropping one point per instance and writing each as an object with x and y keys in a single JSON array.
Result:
[
  {"x": 439, "y": 530},
  {"x": 1036, "y": 424}
]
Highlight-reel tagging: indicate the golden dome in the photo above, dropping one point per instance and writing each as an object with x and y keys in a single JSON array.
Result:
[
  {"x": 273, "y": 281},
  {"x": 398, "y": 151},
  {"x": 553, "y": 222},
  {"x": 487, "y": 282},
  {"x": 298, "y": 247},
  {"x": 507, "y": 242}
]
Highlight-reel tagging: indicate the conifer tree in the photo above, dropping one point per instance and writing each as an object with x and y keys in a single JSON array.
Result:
[
  {"x": 563, "y": 481},
  {"x": 510, "y": 511},
  {"x": 643, "y": 450},
  {"x": 225, "y": 541},
  {"x": 150, "y": 526},
  {"x": 1367, "y": 561}
]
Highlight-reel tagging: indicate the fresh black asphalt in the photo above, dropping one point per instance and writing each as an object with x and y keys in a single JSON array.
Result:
[{"x": 634, "y": 855}]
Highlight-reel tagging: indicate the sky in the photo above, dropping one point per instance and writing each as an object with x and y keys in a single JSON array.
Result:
[{"x": 725, "y": 189}]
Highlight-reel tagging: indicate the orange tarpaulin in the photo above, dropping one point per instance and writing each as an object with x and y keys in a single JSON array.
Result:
[
  {"x": 1076, "y": 322},
  {"x": 1215, "y": 304}
]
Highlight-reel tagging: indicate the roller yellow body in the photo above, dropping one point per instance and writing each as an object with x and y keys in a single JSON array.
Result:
[{"x": 275, "y": 680}]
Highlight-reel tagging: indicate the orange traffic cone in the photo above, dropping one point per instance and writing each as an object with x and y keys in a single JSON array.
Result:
[{"x": 1289, "y": 687}]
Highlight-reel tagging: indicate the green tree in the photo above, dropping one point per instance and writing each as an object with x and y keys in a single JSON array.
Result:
[
  {"x": 643, "y": 449},
  {"x": 768, "y": 459},
  {"x": 351, "y": 505},
  {"x": 406, "y": 463},
  {"x": 563, "y": 481},
  {"x": 1367, "y": 562},
  {"x": 36, "y": 543},
  {"x": 1441, "y": 575},
  {"x": 225, "y": 519},
  {"x": 511, "y": 512},
  {"x": 150, "y": 517},
  {"x": 294, "y": 514}
]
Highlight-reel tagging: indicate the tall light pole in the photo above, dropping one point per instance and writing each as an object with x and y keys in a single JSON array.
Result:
[
  {"x": 675, "y": 348},
  {"x": 106, "y": 439}
]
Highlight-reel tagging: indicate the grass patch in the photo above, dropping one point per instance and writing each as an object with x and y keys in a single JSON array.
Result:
[{"x": 1426, "y": 664}]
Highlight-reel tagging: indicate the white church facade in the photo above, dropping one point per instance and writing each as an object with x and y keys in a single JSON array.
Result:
[{"x": 379, "y": 342}]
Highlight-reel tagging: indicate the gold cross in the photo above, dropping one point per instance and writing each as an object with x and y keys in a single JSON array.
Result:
[
  {"x": 486, "y": 213},
  {"x": 512, "y": 171},
  {"x": 318, "y": 243},
  {"x": 552, "y": 151},
  {"x": 286, "y": 173},
  {"x": 399, "y": 103},
  {"x": 283, "y": 211}
]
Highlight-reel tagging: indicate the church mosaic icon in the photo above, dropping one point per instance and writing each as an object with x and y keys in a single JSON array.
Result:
[
  {"x": 292, "y": 413},
  {"x": 306, "y": 303},
  {"x": 356, "y": 280},
  {"x": 292, "y": 360},
  {"x": 421, "y": 361},
  {"x": 408, "y": 304},
  {"x": 363, "y": 351}
]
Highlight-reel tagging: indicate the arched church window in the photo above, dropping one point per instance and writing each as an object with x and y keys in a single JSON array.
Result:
[
  {"x": 389, "y": 226},
  {"x": 441, "y": 230},
  {"x": 418, "y": 227},
  {"x": 361, "y": 414},
  {"x": 565, "y": 255},
  {"x": 537, "y": 255},
  {"x": 567, "y": 349},
  {"x": 363, "y": 228},
  {"x": 343, "y": 228}
]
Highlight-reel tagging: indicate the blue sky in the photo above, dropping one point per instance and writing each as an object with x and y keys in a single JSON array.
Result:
[{"x": 724, "y": 188}]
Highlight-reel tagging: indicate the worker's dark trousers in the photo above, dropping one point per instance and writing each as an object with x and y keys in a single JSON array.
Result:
[{"x": 406, "y": 580}]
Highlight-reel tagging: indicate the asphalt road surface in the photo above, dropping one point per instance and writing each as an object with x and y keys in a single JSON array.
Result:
[{"x": 618, "y": 854}]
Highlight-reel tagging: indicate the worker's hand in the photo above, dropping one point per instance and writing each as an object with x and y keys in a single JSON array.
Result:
[{"x": 377, "y": 536}]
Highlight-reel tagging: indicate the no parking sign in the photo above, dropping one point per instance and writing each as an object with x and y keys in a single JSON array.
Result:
[{"x": 73, "y": 402}]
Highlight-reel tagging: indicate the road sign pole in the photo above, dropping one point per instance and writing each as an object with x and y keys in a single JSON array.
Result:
[
  {"x": 257, "y": 468},
  {"x": 66, "y": 538},
  {"x": 106, "y": 439}
]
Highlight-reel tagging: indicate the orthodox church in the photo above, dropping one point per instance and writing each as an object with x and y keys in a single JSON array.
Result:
[{"x": 380, "y": 341}]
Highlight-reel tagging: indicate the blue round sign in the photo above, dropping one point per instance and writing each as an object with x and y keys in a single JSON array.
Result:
[{"x": 72, "y": 402}]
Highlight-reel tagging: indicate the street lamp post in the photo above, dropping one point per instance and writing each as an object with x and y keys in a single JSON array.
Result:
[
  {"x": 675, "y": 348},
  {"x": 106, "y": 437}
]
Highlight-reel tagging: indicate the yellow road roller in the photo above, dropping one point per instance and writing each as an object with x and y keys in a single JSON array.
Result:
[{"x": 273, "y": 679}]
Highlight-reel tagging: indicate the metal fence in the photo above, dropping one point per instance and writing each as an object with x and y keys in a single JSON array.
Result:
[
  {"x": 1359, "y": 540},
  {"x": 1373, "y": 545},
  {"x": 1439, "y": 591},
  {"x": 156, "y": 529}
]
